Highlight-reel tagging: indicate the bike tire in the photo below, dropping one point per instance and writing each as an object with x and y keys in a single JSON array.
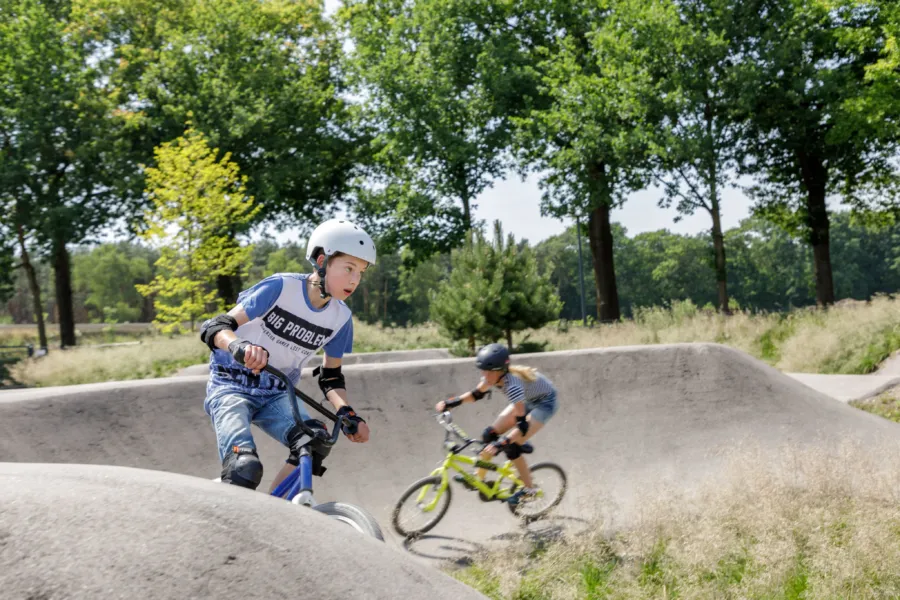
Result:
[
  {"x": 354, "y": 516},
  {"x": 410, "y": 491},
  {"x": 518, "y": 509}
]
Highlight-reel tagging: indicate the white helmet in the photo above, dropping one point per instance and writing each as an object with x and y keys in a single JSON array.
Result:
[{"x": 338, "y": 235}]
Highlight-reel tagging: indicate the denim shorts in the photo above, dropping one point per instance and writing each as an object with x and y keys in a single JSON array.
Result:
[
  {"x": 542, "y": 409},
  {"x": 232, "y": 412}
]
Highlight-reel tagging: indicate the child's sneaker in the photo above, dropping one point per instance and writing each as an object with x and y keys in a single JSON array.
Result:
[{"x": 523, "y": 495}]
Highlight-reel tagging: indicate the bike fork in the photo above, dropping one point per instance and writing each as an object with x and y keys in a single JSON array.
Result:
[{"x": 298, "y": 485}]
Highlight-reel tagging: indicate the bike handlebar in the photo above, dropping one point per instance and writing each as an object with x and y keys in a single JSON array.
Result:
[
  {"x": 295, "y": 408},
  {"x": 446, "y": 421}
]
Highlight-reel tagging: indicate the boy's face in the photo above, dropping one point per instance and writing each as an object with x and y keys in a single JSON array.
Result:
[{"x": 344, "y": 274}]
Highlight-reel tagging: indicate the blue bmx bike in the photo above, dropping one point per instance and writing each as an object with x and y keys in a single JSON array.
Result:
[{"x": 297, "y": 487}]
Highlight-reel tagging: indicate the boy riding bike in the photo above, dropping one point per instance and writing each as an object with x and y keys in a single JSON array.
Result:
[
  {"x": 532, "y": 402},
  {"x": 285, "y": 319}
]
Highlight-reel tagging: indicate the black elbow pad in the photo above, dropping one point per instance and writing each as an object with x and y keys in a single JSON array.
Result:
[
  {"x": 211, "y": 327},
  {"x": 330, "y": 379}
]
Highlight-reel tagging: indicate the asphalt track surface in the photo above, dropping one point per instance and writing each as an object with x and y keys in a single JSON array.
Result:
[{"x": 629, "y": 418}]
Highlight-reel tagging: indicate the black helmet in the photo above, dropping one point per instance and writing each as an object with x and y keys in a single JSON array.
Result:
[{"x": 493, "y": 357}]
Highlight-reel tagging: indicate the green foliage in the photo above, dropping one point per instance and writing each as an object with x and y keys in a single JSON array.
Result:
[
  {"x": 494, "y": 289},
  {"x": 201, "y": 206},
  {"x": 434, "y": 102},
  {"x": 106, "y": 277},
  {"x": 262, "y": 80}
]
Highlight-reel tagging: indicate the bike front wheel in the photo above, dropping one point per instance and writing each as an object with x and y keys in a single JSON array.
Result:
[
  {"x": 354, "y": 516},
  {"x": 421, "y": 507},
  {"x": 551, "y": 480}
]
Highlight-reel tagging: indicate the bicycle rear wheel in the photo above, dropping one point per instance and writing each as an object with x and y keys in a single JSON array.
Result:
[
  {"x": 552, "y": 481},
  {"x": 353, "y": 516},
  {"x": 422, "y": 499}
]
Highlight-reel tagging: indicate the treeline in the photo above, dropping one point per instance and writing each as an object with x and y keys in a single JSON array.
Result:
[
  {"x": 192, "y": 123},
  {"x": 772, "y": 271}
]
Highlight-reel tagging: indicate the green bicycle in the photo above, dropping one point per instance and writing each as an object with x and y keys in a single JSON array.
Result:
[{"x": 431, "y": 495}]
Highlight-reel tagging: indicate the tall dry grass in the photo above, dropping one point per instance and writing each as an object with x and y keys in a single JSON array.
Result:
[
  {"x": 811, "y": 525},
  {"x": 151, "y": 357},
  {"x": 160, "y": 356},
  {"x": 852, "y": 337}
]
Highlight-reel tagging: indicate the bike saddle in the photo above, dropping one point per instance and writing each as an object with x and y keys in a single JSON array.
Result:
[{"x": 527, "y": 448}]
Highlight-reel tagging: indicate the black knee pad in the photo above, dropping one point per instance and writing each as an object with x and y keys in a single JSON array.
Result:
[
  {"x": 513, "y": 451},
  {"x": 522, "y": 424},
  {"x": 489, "y": 435},
  {"x": 242, "y": 467}
]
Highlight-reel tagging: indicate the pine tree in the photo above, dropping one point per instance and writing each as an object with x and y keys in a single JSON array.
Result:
[
  {"x": 199, "y": 205},
  {"x": 494, "y": 289}
]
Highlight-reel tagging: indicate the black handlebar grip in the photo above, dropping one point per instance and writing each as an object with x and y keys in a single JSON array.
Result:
[{"x": 349, "y": 427}]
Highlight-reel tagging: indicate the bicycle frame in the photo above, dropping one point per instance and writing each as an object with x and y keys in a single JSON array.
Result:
[{"x": 462, "y": 464}]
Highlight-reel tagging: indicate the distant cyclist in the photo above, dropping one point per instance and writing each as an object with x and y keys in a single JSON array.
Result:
[{"x": 532, "y": 401}]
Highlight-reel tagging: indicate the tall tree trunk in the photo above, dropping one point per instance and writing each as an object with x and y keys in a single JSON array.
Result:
[
  {"x": 225, "y": 285},
  {"x": 35, "y": 289},
  {"x": 721, "y": 270},
  {"x": 815, "y": 178},
  {"x": 601, "y": 242},
  {"x": 384, "y": 319},
  {"x": 713, "y": 185},
  {"x": 509, "y": 339},
  {"x": 62, "y": 271}
]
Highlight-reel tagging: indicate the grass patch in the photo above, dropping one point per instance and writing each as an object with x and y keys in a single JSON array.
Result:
[
  {"x": 805, "y": 525},
  {"x": 886, "y": 405}
]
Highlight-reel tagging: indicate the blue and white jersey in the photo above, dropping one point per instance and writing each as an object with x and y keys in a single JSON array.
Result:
[
  {"x": 530, "y": 392},
  {"x": 285, "y": 323}
]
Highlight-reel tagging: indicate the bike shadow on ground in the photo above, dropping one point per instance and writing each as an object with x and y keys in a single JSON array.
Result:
[
  {"x": 463, "y": 552},
  {"x": 458, "y": 551}
]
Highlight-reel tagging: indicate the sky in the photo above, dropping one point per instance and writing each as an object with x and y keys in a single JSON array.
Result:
[{"x": 517, "y": 204}]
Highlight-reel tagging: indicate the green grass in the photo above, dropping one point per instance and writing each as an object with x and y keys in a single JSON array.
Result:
[
  {"x": 759, "y": 536},
  {"x": 886, "y": 405}
]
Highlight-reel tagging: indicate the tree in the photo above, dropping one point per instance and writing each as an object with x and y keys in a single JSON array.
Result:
[
  {"x": 461, "y": 304},
  {"x": 262, "y": 80},
  {"x": 687, "y": 50},
  {"x": 493, "y": 290},
  {"x": 107, "y": 276},
  {"x": 201, "y": 206},
  {"x": 440, "y": 131},
  {"x": 799, "y": 82},
  {"x": 557, "y": 256},
  {"x": 61, "y": 145},
  {"x": 587, "y": 135},
  {"x": 7, "y": 266},
  {"x": 417, "y": 281},
  {"x": 527, "y": 298}
]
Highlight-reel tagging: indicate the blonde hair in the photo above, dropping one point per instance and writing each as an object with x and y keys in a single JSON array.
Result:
[{"x": 529, "y": 374}]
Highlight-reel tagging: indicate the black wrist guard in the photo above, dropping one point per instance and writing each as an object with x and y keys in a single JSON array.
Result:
[
  {"x": 211, "y": 327},
  {"x": 453, "y": 403},
  {"x": 355, "y": 420}
]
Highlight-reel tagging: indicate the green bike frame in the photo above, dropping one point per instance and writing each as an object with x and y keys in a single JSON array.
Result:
[{"x": 463, "y": 464}]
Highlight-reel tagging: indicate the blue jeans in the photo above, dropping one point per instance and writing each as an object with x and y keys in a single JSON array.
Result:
[
  {"x": 541, "y": 409},
  {"x": 232, "y": 412}
]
